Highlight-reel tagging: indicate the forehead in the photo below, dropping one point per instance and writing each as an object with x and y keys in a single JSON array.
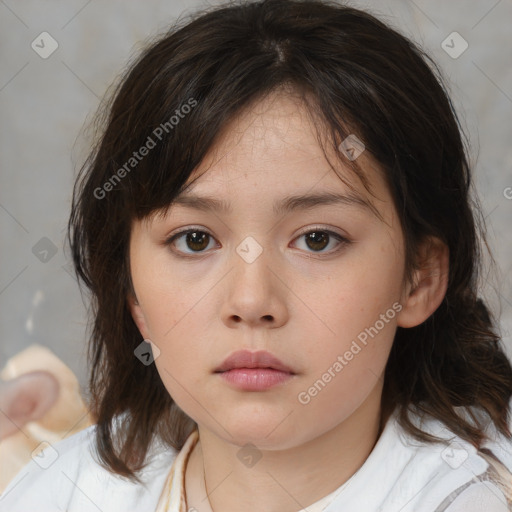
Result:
[
  {"x": 274, "y": 138},
  {"x": 274, "y": 149}
]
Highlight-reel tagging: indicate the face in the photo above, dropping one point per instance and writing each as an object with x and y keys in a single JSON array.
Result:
[{"x": 319, "y": 286}]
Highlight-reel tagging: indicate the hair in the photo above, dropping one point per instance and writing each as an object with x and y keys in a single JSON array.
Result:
[{"x": 355, "y": 75}]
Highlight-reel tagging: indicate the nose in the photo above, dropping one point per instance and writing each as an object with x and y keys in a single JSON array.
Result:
[{"x": 255, "y": 293}]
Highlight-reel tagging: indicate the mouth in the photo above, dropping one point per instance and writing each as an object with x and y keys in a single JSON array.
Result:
[
  {"x": 254, "y": 371},
  {"x": 254, "y": 379},
  {"x": 262, "y": 360}
]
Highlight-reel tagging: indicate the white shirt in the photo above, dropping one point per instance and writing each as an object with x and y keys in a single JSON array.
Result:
[
  {"x": 173, "y": 496},
  {"x": 400, "y": 474}
]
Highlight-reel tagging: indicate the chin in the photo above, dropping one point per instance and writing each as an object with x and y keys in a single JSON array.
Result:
[{"x": 266, "y": 431}]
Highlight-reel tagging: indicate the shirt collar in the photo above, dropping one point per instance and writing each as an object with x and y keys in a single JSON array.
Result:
[{"x": 172, "y": 498}]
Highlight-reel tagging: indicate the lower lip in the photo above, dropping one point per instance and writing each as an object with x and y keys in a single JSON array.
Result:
[{"x": 255, "y": 379}]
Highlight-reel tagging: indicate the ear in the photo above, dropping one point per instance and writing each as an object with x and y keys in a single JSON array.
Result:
[
  {"x": 424, "y": 296},
  {"x": 138, "y": 316}
]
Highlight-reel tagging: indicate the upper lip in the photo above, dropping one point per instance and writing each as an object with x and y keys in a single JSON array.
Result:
[{"x": 248, "y": 359}]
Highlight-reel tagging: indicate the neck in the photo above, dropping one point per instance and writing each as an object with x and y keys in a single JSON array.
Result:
[{"x": 282, "y": 480}]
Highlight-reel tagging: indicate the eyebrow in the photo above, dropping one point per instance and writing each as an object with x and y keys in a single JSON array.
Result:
[{"x": 285, "y": 205}]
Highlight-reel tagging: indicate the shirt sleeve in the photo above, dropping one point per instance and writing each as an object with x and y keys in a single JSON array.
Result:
[
  {"x": 34, "y": 489},
  {"x": 480, "y": 497},
  {"x": 47, "y": 483}
]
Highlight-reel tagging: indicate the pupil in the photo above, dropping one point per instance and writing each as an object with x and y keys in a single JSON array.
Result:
[
  {"x": 315, "y": 240},
  {"x": 196, "y": 241}
]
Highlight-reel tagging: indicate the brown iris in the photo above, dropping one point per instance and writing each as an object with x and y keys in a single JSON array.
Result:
[
  {"x": 197, "y": 240},
  {"x": 317, "y": 240}
]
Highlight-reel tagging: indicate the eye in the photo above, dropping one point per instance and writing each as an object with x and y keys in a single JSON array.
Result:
[
  {"x": 318, "y": 239},
  {"x": 196, "y": 240}
]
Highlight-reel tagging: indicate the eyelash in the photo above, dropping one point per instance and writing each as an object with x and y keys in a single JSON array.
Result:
[{"x": 342, "y": 240}]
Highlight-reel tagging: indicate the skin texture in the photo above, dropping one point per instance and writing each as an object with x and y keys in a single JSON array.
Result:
[{"x": 303, "y": 303}]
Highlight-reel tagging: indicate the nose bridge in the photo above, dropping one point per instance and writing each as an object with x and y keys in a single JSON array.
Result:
[
  {"x": 251, "y": 264},
  {"x": 250, "y": 250},
  {"x": 253, "y": 295}
]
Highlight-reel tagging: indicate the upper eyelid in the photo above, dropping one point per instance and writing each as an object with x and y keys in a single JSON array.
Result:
[
  {"x": 184, "y": 231},
  {"x": 200, "y": 229}
]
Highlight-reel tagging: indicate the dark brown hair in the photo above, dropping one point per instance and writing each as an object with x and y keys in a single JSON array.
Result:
[{"x": 356, "y": 75}]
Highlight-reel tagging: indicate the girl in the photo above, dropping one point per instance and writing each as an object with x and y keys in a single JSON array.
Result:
[{"x": 276, "y": 230}]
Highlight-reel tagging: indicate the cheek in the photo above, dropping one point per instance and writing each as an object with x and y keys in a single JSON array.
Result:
[
  {"x": 172, "y": 312},
  {"x": 352, "y": 333},
  {"x": 170, "y": 299},
  {"x": 352, "y": 298},
  {"x": 343, "y": 374}
]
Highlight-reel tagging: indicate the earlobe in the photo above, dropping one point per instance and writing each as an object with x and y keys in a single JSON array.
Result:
[
  {"x": 430, "y": 284},
  {"x": 138, "y": 315}
]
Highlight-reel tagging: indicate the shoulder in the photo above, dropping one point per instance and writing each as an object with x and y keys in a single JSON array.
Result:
[
  {"x": 68, "y": 476},
  {"x": 452, "y": 475},
  {"x": 55, "y": 467}
]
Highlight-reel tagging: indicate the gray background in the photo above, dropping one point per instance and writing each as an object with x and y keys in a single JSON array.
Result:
[{"x": 45, "y": 104}]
